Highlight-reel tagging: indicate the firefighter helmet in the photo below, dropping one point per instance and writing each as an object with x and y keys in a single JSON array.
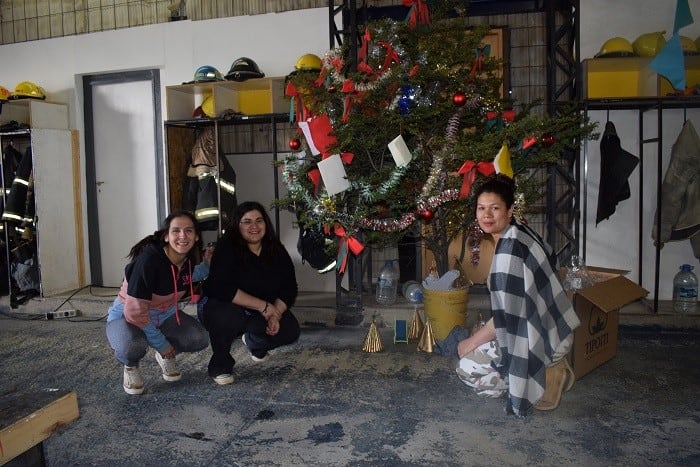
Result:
[
  {"x": 242, "y": 69},
  {"x": 208, "y": 106},
  {"x": 207, "y": 73},
  {"x": 4, "y": 94},
  {"x": 689, "y": 47},
  {"x": 649, "y": 44},
  {"x": 616, "y": 47},
  {"x": 27, "y": 89},
  {"x": 308, "y": 62}
]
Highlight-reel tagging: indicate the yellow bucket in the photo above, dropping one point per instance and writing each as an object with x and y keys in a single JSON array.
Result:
[{"x": 445, "y": 309}]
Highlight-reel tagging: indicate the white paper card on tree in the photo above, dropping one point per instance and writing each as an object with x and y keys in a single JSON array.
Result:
[
  {"x": 333, "y": 174},
  {"x": 398, "y": 148},
  {"x": 309, "y": 140}
]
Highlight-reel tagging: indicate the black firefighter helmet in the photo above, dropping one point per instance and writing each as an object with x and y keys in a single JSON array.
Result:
[{"x": 242, "y": 69}]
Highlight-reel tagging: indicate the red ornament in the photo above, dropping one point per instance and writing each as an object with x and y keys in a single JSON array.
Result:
[
  {"x": 547, "y": 140},
  {"x": 294, "y": 144},
  {"x": 426, "y": 214},
  {"x": 459, "y": 99}
]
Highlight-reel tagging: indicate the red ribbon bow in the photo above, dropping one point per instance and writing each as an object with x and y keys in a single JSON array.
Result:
[
  {"x": 418, "y": 14},
  {"x": 345, "y": 243},
  {"x": 469, "y": 170},
  {"x": 507, "y": 115}
]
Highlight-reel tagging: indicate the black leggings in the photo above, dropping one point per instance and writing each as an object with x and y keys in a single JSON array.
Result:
[{"x": 225, "y": 322}]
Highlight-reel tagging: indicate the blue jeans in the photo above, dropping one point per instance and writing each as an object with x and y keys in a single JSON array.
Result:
[{"x": 130, "y": 344}]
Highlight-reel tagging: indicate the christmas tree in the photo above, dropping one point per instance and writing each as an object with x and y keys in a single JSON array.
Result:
[{"x": 396, "y": 145}]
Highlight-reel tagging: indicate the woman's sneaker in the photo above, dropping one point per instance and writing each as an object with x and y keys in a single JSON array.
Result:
[
  {"x": 169, "y": 367},
  {"x": 133, "y": 382},
  {"x": 252, "y": 356},
  {"x": 224, "y": 378}
]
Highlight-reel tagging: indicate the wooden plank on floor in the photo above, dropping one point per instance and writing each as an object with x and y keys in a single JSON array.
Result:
[{"x": 27, "y": 419}]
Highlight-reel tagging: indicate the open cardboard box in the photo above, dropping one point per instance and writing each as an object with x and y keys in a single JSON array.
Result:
[{"x": 598, "y": 309}]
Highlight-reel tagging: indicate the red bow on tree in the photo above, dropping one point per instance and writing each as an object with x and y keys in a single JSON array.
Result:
[
  {"x": 469, "y": 170},
  {"x": 418, "y": 14},
  {"x": 345, "y": 243}
]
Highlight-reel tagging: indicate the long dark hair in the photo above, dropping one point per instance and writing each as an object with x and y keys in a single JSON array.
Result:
[
  {"x": 158, "y": 237},
  {"x": 270, "y": 242}
]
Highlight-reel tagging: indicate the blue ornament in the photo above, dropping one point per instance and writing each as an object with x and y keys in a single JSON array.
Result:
[{"x": 406, "y": 99}]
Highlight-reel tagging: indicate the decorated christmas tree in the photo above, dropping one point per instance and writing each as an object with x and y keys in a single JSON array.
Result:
[{"x": 396, "y": 145}]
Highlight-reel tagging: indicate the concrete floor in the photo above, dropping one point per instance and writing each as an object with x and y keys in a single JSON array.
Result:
[{"x": 323, "y": 401}]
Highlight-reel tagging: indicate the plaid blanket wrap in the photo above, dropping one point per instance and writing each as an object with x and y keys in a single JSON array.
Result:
[{"x": 531, "y": 313}]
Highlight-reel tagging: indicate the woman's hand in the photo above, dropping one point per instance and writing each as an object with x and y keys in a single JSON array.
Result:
[
  {"x": 485, "y": 334},
  {"x": 273, "y": 326},
  {"x": 169, "y": 352},
  {"x": 273, "y": 310},
  {"x": 207, "y": 254}
]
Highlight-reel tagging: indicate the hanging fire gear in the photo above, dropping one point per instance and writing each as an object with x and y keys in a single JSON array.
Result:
[
  {"x": 16, "y": 205},
  {"x": 209, "y": 188},
  {"x": 18, "y": 214}
]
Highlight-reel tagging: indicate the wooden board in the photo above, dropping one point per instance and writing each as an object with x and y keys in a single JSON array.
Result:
[{"x": 27, "y": 419}]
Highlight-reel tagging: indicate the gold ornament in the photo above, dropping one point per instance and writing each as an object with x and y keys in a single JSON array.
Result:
[
  {"x": 427, "y": 340},
  {"x": 329, "y": 204},
  {"x": 373, "y": 341},
  {"x": 416, "y": 328}
]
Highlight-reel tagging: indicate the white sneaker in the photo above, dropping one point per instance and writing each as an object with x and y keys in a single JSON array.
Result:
[
  {"x": 169, "y": 367},
  {"x": 225, "y": 378},
  {"x": 253, "y": 357},
  {"x": 133, "y": 382}
]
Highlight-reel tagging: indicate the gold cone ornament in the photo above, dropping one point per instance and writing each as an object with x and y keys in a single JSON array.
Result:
[
  {"x": 416, "y": 327},
  {"x": 373, "y": 341},
  {"x": 427, "y": 340}
]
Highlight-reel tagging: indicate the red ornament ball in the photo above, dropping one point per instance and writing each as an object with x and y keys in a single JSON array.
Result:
[
  {"x": 459, "y": 99},
  {"x": 426, "y": 214},
  {"x": 547, "y": 140},
  {"x": 294, "y": 144}
]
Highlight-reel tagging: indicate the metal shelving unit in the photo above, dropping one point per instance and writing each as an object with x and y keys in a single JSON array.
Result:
[{"x": 642, "y": 106}]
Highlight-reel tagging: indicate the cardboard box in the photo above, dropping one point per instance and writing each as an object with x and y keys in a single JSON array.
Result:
[{"x": 598, "y": 309}]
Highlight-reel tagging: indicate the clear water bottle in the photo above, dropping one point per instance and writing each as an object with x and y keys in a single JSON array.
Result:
[
  {"x": 685, "y": 290},
  {"x": 388, "y": 282},
  {"x": 413, "y": 291},
  {"x": 576, "y": 274}
]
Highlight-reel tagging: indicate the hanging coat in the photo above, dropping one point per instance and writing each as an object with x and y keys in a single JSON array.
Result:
[
  {"x": 209, "y": 188},
  {"x": 16, "y": 204},
  {"x": 680, "y": 192},
  {"x": 616, "y": 165}
]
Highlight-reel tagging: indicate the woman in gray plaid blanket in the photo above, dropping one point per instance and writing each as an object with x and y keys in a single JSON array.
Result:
[{"x": 521, "y": 351}]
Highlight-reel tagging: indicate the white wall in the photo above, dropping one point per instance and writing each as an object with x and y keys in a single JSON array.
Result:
[
  {"x": 614, "y": 242},
  {"x": 274, "y": 41}
]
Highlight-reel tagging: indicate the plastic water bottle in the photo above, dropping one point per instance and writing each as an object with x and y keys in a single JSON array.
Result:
[
  {"x": 685, "y": 290},
  {"x": 576, "y": 274},
  {"x": 413, "y": 291},
  {"x": 388, "y": 282}
]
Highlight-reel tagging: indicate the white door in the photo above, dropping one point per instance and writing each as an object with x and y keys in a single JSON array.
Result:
[{"x": 125, "y": 152}]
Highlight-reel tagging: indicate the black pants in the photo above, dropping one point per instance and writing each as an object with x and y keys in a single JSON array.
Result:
[{"x": 226, "y": 322}]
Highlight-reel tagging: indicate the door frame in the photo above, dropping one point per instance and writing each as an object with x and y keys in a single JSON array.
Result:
[{"x": 153, "y": 76}]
